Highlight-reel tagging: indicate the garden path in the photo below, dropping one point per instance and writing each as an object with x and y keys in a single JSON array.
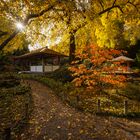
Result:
[{"x": 52, "y": 119}]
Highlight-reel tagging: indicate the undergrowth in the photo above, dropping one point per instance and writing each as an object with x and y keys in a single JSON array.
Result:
[{"x": 112, "y": 100}]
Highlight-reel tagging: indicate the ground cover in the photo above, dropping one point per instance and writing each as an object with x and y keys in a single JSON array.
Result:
[
  {"x": 14, "y": 99},
  {"x": 53, "y": 119},
  {"x": 111, "y": 100}
]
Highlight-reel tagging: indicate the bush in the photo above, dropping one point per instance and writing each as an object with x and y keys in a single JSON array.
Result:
[
  {"x": 18, "y": 90},
  {"x": 13, "y": 100},
  {"x": 9, "y": 83},
  {"x": 8, "y": 80}
]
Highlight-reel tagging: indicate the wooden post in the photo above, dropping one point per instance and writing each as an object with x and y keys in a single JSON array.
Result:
[
  {"x": 7, "y": 134},
  {"x": 98, "y": 106},
  {"x": 77, "y": 99},
  {"x": 125, "y": 107}
]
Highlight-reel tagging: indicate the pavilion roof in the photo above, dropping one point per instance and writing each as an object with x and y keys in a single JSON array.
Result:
[
  {"x": 41, "y": 51},
  {"x": 123, "y": 58}
]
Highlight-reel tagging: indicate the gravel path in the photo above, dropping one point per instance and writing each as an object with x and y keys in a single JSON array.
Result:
[{"x": 51, "y": 119}]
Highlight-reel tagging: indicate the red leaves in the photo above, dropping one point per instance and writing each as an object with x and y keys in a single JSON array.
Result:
[{"x": 93, "y": 67}]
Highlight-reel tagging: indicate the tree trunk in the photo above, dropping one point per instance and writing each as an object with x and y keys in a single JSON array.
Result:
[{"x": 72, "y": 47}]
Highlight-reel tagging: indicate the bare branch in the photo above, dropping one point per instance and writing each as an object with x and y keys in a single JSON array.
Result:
[
  {"x": 3, "y": 33},
  {"x": 132, "y": 5},
  {"x": 120, "y": 9},
  {"x": 8, "y": 39},
  {"x": 110, "y": 8},
  {"x": 31, "y": 16},
  {"x": 101, "y": 3},
  {"x": 114, "y": 2}
]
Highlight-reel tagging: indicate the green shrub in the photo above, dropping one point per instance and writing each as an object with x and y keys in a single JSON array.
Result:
[
  {"x": 8, "y": 80},
  {"x": 62, "y": 74},
  {"x": 13, "y": 107},
  {"x": 18, "y": 90},
  {"x": 9, "y": 83}
]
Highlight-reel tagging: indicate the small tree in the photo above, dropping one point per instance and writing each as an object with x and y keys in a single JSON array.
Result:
[{"x": 93, "y": 68}]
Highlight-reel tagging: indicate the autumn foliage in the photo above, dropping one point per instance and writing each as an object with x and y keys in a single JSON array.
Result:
[{"x": 93, "y": 68}]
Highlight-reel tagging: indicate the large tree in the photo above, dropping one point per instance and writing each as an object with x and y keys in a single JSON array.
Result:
[{"x": 69, "y": 17}]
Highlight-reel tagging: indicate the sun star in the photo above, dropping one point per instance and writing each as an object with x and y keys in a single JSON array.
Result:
[{"x": 19, "y": 25}]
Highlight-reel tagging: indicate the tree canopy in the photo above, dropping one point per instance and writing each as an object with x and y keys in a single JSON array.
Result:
[{"x": 63, "y": 23}]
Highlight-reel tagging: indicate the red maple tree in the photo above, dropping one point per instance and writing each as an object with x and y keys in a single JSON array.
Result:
[{"x": 93, "y": 68}]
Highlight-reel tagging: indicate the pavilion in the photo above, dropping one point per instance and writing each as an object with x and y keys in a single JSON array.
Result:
[
  {"x": 125, "y": 60},
  {"x": 40, "y": 60}
]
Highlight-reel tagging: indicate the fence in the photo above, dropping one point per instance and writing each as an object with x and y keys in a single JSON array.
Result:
[{"x": 123, "y": 107}]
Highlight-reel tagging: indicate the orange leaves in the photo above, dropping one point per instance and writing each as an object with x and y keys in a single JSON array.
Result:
[
  {"x": 78, "y": 82},
  {"x": 93, "y": 67}
]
